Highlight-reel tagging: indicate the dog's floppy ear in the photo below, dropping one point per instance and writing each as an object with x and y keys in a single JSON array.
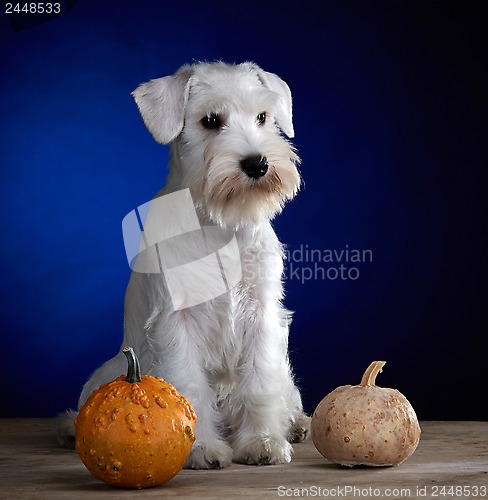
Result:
[
  {"x": 162, "y": 102},
  {"x": 283, "y": 110}
]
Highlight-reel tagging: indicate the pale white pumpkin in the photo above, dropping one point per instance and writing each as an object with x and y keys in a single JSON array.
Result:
[{"x": 365, "y": 424}]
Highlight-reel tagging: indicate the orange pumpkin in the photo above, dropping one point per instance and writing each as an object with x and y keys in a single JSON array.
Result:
[{"x": 135, "y": 431}]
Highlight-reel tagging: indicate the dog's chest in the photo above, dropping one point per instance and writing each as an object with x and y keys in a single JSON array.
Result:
[{"x": 235, "y": 314}]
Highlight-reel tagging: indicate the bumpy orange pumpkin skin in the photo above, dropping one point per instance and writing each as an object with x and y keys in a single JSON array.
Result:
[{"x": 135, "y": 435}]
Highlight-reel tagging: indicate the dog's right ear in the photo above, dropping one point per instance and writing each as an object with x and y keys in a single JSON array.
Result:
[
  {"x": 283, "y": 109},
  {"x": 162, "y": 102}
]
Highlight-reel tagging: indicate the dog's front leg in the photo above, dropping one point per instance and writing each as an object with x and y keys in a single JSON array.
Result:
[
  {"x": 180, "y": 359},
  {"x": 209, "y": 451},
  {"x": 259, "y": 412}
]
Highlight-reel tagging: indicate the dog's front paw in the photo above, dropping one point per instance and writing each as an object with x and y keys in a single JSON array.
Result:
[
  {"x": 209, "y": 455},
  {"x": 264, "y": 451},
  {"x": 300, "y": 429}
]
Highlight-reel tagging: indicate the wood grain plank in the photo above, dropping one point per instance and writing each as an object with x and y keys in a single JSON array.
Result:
[{"x": 32, "y": 466}]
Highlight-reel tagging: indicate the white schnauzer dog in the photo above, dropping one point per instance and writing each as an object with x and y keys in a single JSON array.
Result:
[{"x": 229, "y": 355}]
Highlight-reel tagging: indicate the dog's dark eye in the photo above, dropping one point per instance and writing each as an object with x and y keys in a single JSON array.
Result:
[
  {"x": 211, "y": 121},
  {"x": 261, "y": 118}
]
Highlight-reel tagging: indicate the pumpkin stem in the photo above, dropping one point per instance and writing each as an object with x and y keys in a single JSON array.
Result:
[
  {"x": 133, "y": 370},
  {"x": 369, "y": 377}
]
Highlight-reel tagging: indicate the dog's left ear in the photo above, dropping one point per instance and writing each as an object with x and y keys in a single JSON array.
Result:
[
  {"x": 283, "y": 110},
  {"x": 162, "y": 102}
]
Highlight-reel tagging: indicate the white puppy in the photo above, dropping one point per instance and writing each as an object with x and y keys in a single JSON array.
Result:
[{"x": 227, "y": 355}]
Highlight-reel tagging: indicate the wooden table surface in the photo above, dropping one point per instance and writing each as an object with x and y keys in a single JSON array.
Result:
[{"x": 451, "y": 461}]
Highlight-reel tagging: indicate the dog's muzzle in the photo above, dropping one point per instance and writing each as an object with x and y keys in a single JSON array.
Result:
[{"x": 254, "y": 166}]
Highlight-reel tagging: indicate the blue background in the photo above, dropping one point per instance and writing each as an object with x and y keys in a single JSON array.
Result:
[{"x": 390, "y": 122}]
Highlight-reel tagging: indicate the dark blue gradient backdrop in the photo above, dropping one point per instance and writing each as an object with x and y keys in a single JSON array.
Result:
[{"x": 390, "y": 120}]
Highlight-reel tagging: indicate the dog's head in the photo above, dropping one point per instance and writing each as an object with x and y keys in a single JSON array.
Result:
[{"x": 225, "y": 124}]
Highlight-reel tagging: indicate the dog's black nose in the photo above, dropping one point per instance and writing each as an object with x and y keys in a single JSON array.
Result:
[{"x": 254, "y": 166}]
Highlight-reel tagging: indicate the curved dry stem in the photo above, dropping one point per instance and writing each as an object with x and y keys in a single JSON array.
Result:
[
  {"x": 369, "y": 377},
  {"x": 133, "y": 369}
]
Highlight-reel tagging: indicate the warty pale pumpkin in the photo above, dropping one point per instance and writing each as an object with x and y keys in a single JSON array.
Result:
[{"x": 365, "y": 424}]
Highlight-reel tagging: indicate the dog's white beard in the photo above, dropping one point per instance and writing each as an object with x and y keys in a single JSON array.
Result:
[
  {"x": 230, "y": 197},
  {"x": 233, "y": 199}
]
